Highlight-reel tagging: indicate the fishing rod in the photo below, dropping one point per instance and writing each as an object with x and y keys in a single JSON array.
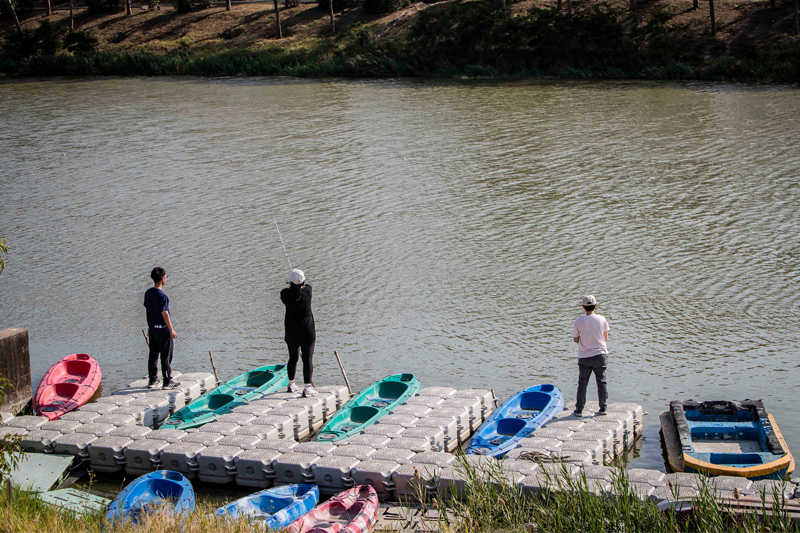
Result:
[{"x": 284, "y": 246}]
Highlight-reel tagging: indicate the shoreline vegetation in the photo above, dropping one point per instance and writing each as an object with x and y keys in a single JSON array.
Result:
[
  {"x": 751, "y": 41},
  {"x": 566, "y": 504}
]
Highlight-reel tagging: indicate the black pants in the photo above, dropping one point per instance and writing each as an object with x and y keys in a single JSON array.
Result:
[
  {"x": 586, "y": 366},
  {"x": 296, "y": 349},
  {"x": 160, "y": 344}
]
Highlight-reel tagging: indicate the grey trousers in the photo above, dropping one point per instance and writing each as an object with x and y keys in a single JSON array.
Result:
[{"x": 586, "y": 366}]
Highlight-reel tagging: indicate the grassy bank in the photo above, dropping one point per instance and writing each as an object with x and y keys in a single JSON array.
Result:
[
  {"x": 490, "y": 505},
  {"x": 463, "y": 39}
]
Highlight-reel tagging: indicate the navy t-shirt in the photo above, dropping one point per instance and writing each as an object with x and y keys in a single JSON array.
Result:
[{"x": 155, "y": 301}]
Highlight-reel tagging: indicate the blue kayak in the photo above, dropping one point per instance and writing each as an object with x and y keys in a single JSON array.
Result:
[
  {"x": 162, "y": 489},
  {"x": 276, "y": 507},
  {"x": 516, "y": 419}
]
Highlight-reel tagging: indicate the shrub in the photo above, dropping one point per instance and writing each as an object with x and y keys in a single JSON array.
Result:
[
  {"x": 44, "y": 40},
  {"x": 291, "y": 3},
  {"x": 384, "y": 6},
  {"x": 338, "y": 5},
  {"x": 184, "y": 6},
  {"x": 80, "y": 43},
  {"x": 97, "y": 7}
]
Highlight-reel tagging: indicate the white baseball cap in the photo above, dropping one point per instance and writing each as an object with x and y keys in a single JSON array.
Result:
[
  {"x": 296, "y": 276},
  {"x": 589, "y": 300}
]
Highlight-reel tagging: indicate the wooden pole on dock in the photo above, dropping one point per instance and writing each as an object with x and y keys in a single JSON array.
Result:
[
  {"x": 213, "y": 366},
  {"x": 146, "y": 341},
  {"x": 341, "y": 367}
]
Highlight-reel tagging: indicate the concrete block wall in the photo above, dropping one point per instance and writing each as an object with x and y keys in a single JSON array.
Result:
[{"x": 15, "y": 366}]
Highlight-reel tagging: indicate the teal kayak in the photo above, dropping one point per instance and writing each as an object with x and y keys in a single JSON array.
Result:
[
  {"x": 238, "y": 391},
  {"x": 369, "y": 406}
]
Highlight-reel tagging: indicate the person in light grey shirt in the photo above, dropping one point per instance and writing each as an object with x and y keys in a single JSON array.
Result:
[{"x": 590, "y": 332}]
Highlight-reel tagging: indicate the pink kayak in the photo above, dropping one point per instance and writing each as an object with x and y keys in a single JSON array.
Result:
[
  {"x": 67, "y": 385},
  {"x": 352, "y": 511}
]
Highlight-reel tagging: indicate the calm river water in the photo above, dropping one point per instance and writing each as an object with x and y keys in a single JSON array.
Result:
[{"x": 449, "y": 228}]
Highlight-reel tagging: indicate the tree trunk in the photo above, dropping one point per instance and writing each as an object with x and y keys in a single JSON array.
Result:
[
  {"x": 499, "y": 4},
  {"x": 333, "y": 23},
  {"x": 796, "y": 19},
  {"x": 128, "y": 7},
  {"x": 14, "y": 14},
  {"x": 71, "y": 17},
  {"x": 695, "y": 4},
  {"x": 227, "y": 5},
  {"x": 713, "y": 18},
  {"x": 278, "y": 19},
  {"x": 569, "y": 7},
  {"x": 772, "y": 4},
  {"x": 49, "y": 8},
  {"x": 558, "y": 5},
  {"x": 632, "y": 4}
]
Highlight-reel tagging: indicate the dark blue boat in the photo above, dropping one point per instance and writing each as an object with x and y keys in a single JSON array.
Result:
[
  {"x": 162, "y": 489},
  {"x": 516, "y": 419},
  {"x": 275, "y": 508},
  {"x": 725, "y": 438}
]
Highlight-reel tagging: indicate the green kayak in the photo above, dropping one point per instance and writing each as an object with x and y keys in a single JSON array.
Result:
[
  {"x": 243, "y": 388},
  {"x": 369, "y": 406}
]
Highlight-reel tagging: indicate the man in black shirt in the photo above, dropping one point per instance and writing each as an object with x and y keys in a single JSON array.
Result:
[{"x": 161, "y": 331}]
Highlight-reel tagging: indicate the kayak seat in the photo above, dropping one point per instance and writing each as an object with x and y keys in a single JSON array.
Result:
[
  {"x": 217, "y": 401},
  {"x": 258, "y": 379},
  {"x": 509, "y": 426},
  {"x": 78, "y": 369},
  {"x": 392, "y": 390},
  {"x": 59, "y": 391},
  {"x": 534, "y": 401},
  {"x": 362, "y": 413}
]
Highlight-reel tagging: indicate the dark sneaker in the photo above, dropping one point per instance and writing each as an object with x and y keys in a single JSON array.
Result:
[
  {"x": 602, "y": 412},
  {"x": 170, "y": 385},
  {"x": 152, "y": 384},
  {"x": 577, "y": 413}
]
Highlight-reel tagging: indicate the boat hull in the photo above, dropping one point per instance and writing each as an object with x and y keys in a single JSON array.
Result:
[
  {"x": 162, "y": 489},
  {"x": 69, "y": 384},
  {"x": 275, "y": 508},
  {"x": 516, "y": 419},
  {"x": 238, "y": 391},
  {"x": 369, "y": 406},
  {"x": 352, "y": 511}
]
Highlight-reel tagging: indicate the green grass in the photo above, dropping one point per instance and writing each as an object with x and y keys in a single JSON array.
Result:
[{"x": 566, "y": 504}]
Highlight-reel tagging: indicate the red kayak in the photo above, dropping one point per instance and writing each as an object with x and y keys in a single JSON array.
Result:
[
  {"x": 351, "y": 511},
  {"x": 67, "y": 385}
]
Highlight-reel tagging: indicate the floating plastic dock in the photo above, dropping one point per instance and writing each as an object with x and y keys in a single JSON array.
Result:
[{"x": 260, "y": 444}]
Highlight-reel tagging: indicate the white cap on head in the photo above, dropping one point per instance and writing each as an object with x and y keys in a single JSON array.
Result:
[
  {"x": 296, "y": 276},
  {"x": 589, "y": 300}
]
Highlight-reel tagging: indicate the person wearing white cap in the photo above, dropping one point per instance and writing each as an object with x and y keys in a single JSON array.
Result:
[
  {"x": 301, "y": 333},
  {"x": 590, "y": 332}
]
